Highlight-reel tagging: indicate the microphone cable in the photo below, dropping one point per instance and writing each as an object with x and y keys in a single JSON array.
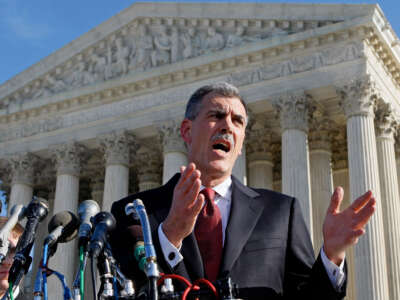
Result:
[
  {"x": 10, "y": 291},
  {"x": 82, "y": 272},
  {"x": 44, "y": 274},
  {"x": 93, "y": 277}
]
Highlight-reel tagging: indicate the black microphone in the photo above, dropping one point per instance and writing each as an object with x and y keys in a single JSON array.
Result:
[
  {"x": 104, "y": 222},
  {"x": 36, "y": 211},
  {"x": 63, "y": 227},
  {"x": 17, "y": 214}
]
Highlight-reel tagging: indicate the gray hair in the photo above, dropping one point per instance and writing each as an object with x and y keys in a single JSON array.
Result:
[{"x": 224, "y": 89}]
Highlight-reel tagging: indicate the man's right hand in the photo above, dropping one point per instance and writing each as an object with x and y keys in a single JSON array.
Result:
[{"x": 186, "y": 205}]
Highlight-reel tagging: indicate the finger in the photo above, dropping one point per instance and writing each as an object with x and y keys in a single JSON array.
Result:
[
  {"x": 188, "y": 185},
  {"x": 198, "y": 204},
  {"x": 193, "y": 193},
  {"x": 182, "y": 168},
  {"x": 361, "y": 201},
  {"x": 336, "y": 200},
  {"x": 364, "y": 214},
  {"x": 187, "y": 171}
]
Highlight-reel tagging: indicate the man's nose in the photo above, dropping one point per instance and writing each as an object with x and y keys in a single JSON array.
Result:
[{"x": 227, "y": 125}]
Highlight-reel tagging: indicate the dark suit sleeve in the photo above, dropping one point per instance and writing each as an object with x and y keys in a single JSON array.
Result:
[{"x": 299, "y": 281}]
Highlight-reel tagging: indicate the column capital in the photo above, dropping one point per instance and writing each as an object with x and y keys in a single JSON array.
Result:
[
  {"x": 149, "y": 164},
  {"x": 170, "y": 135},
  {"x": 339, "y": 153},
  {"x": 23, "y": 168},
  {"x": 293, "y": 109},
  {"x": 385, "y": 122},
  {"x": 258, "y": 141},
  {"x": 321, "y": 133},
  {"x": 357, "y": 98},
  {"x": 117, "y": 147},
  {"x": 68, "y": 158}
]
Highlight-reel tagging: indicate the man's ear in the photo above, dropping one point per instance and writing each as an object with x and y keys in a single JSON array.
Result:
[
  {"x": 244, "y": 139},
  {"x": 186, "y": 131}
]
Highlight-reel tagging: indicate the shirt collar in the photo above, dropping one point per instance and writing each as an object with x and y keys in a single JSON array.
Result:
[{"x": 224, "y": 189}]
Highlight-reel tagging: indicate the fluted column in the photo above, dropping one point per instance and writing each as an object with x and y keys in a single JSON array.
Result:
[
  {"x": 341, "y": 178},
  {"x": 116, "y": 148},
  {"x": 385, "y": 128},
  {"x": 174, "y": 149},
  {"x": 259, "y": 156},
  {"x": 68, "y": 160},
  {"x": 22, "y": 170},
  {"x": 357, "y": 100},
  {"x": 321, "y": 174},
  {"x": 294, "y": 113}
]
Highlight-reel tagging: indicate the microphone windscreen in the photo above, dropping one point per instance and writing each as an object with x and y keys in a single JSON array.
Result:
[{"x": 69, "y": 221}]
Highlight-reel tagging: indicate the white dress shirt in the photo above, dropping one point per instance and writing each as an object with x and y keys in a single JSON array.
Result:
[{"x": 223, "y": 198}]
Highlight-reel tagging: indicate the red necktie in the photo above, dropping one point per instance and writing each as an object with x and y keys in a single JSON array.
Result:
[{"x": 208, "y": 231}]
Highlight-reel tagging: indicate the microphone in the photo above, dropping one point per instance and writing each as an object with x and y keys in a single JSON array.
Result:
[
  {"x": 87, "y": 209},
  {"x": 17, "y": 213},
  {"x": 103, "y": 223},
  {"x": 63, "y": 227},
  {"x": 136, "y": 232},
  {"x": 36, "y": 211}
]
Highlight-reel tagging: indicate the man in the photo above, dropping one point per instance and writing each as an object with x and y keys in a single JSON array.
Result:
[
  {"x": 260, "y": 238},
  {"x": 6, "y": 265}
]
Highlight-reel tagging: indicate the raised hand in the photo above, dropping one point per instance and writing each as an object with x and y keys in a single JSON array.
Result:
[
  {"x": 342, "y": 229},
  {"x": 186, "y": 205}
]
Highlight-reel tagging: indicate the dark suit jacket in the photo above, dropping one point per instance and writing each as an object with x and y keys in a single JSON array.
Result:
[{"x": 267, "y": 250}]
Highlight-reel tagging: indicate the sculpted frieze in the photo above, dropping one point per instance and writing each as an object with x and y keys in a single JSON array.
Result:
[
  {"x": 151, "y": 43},
  {"x": 294, "y": 65}
]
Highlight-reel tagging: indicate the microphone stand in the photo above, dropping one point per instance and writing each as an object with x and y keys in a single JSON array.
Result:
[
  {"x": 151, "y": 268},
  {"x": 78, "y": 284}
]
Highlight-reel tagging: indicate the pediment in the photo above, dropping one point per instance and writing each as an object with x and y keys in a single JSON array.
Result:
[{"x": 167, "y": 34}]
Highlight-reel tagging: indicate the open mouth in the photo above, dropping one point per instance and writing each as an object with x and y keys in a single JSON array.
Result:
[{"x": 222, "y": 145}]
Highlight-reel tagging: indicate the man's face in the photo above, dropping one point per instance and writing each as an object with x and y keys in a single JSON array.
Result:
[
  {"x": 215, "y": 137},
  {"x": 5, "y": 267}
]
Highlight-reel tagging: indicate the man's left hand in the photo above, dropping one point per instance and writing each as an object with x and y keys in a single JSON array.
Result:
[{"x": 342, "y": 229}]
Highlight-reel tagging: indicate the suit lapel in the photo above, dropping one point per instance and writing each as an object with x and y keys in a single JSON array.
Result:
[{"x": 245, "y": 211}]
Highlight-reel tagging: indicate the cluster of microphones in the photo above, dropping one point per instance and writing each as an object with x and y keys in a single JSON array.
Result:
[{"x": 92, "y": 228}]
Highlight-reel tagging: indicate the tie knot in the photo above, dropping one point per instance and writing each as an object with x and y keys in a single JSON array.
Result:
[{"x": 208, "y": 193}]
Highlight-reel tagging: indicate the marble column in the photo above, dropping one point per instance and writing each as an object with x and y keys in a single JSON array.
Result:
[
  {"x": 341, "y": 178},
  {"x": 239, "y": 169},
  {"x": 174, "y": 149},
  {"x": 149, "y": 165},
  {"x": 259, "y": 155},
  {"x": 293, "y": 109},
  {"x": 321, "y": 174},
  {"x": 116, "y": 148},
  {"x": 357, "y": 99},
  {"x": 68, "y": 159},
  {"x": 22, "y": 170},
  {"x": 385, "y": 127}
]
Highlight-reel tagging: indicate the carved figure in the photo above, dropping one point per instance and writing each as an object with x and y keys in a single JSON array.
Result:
[
  {"x": 109, "y": 72},
  {"x": 144, "y": 48},
  {"x": 235, "y": 39},
  {"x": 122, "y": 55},
  {"x": 54, "y": 85},
  {"x": 81, "y": 76},
  {"x": 98, "y": 66},
  {"x": 175, "y": 45},
  {"x": 191, "y": 43},
  {"x": 214, "y": 40},
  {"x": 161, "y": 55}
]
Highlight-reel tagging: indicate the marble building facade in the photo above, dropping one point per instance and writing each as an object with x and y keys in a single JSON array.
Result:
[{"x": 99, "y": 118}]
